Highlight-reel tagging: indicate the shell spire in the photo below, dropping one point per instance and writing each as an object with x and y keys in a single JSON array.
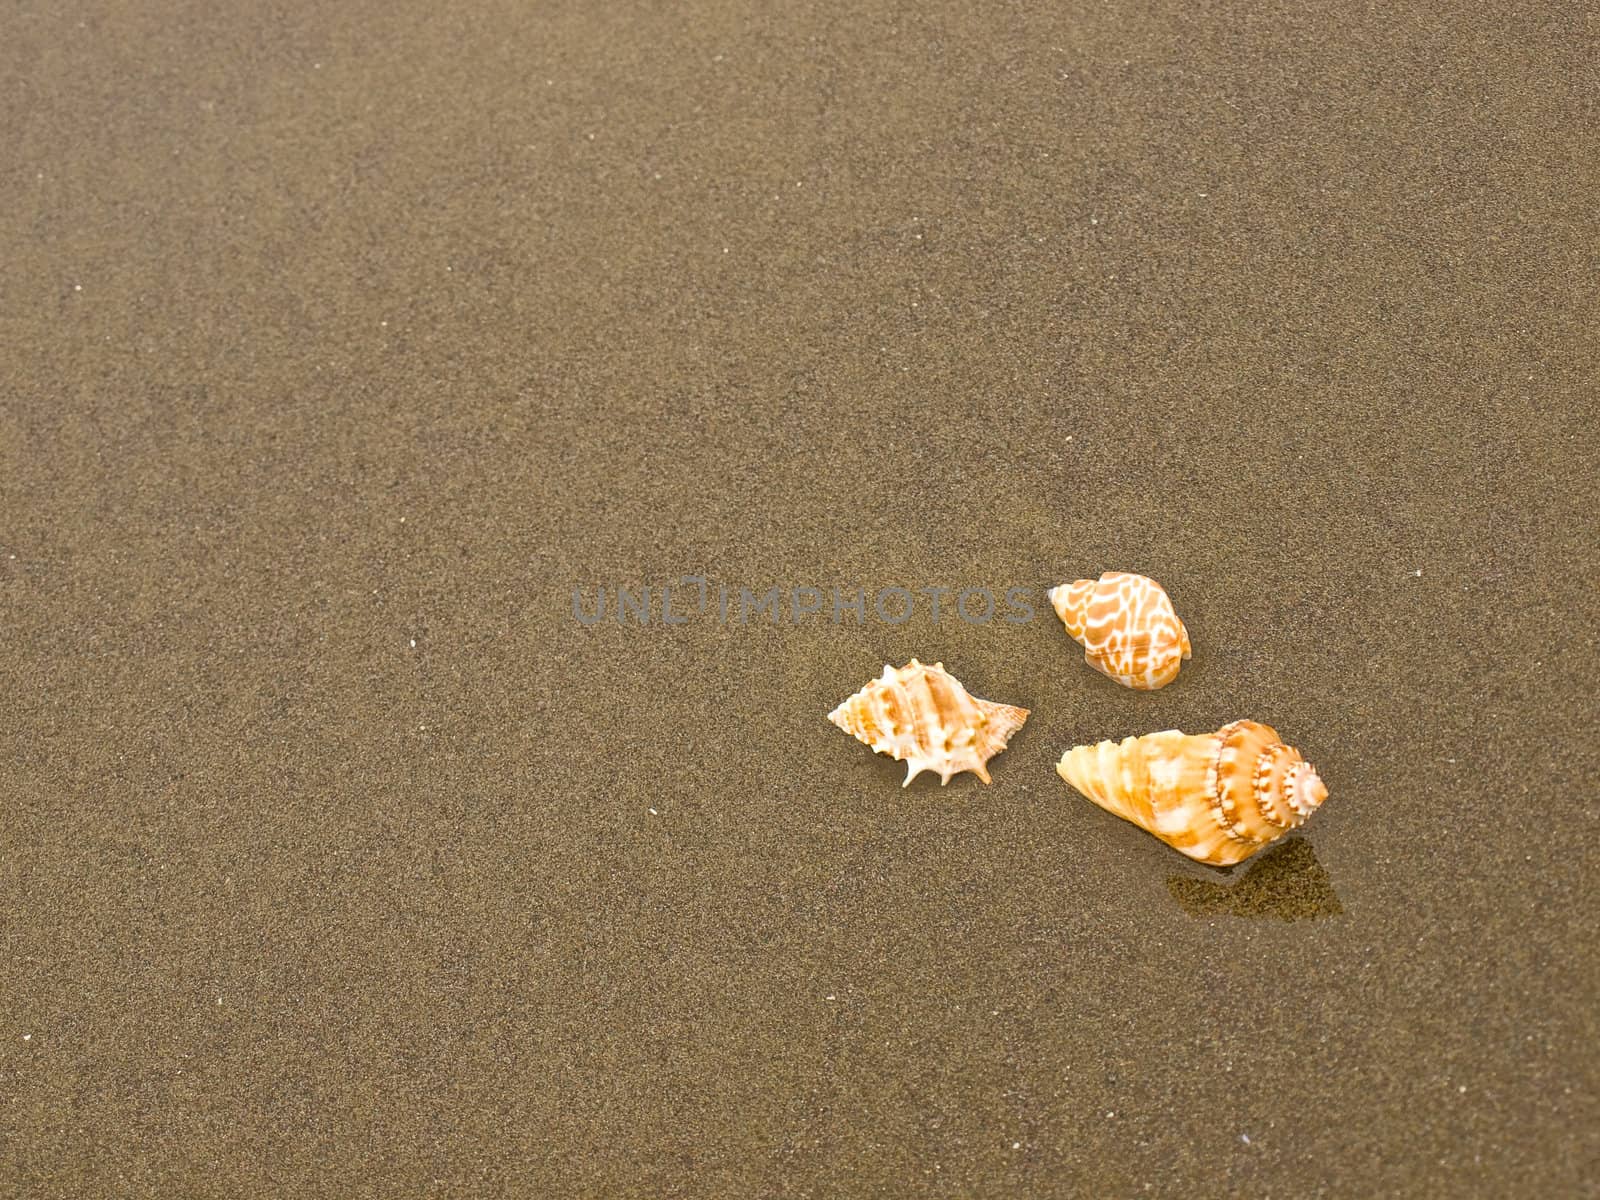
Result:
[
  {"x": 1127, "y": 627},
  {"x": 922, "y": 716},
  {"x": 1217, "y": 797}
]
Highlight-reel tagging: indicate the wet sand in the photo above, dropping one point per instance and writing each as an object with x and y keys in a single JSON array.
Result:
[{"x": 338, "y": 858}]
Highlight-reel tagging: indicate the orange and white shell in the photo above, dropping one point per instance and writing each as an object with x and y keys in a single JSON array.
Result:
[
  {"x": 1127, "y": 627},
  {"x": 1217, "y": 797},
  {"x": 922, "y": 716}
]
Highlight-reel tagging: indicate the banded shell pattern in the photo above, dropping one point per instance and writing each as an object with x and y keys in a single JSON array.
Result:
[
  {"x": 1217, "y": 797},
  {"x": 1127, "y": 627},
  {"x": 922, "y": 716}
]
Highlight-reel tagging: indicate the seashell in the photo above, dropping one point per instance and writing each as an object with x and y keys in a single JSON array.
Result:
[
  {"x": 1217, "y": 797},
  {"x": 1127, "y": 627},
  {"x": 922, "y": 716}
]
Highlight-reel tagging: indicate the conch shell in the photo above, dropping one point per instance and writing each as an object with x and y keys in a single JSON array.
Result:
[
  {"x": 1217, "y": 797},
  {"x": 922, "y": 716},
  {"x": 1127, "y": 627}
]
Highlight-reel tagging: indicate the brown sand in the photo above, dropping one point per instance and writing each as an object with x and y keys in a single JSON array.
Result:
[{"x": 338, "y": 343}]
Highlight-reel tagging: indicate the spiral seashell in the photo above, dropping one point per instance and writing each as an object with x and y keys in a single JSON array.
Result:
[
  {"x": 922, "y": 716},
  {"x": 1217, "y": 797},
  {"x": 1127, "y": 627}
]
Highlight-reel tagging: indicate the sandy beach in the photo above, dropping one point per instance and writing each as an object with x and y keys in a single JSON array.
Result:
[{"x": 349, "y": 353}]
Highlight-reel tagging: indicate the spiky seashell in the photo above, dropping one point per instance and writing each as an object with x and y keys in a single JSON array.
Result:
[
  {"x": 1217, "y": 797},
  {"x": 922, "y": 716},
  {"x": 1127, "y": 627}
]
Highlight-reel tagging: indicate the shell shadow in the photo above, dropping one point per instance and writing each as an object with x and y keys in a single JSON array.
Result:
[{"x": 1286, "y": 882}]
